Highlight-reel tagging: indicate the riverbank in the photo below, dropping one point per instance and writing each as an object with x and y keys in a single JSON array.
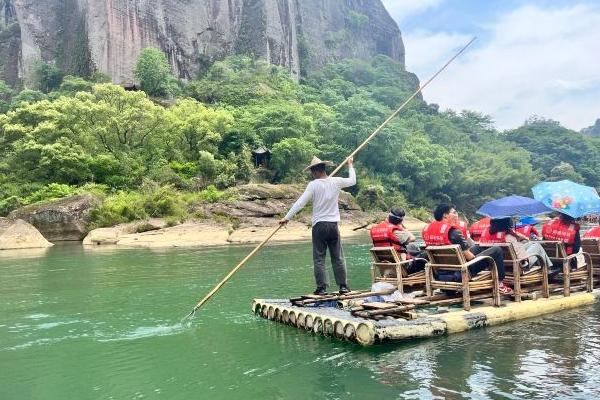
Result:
[
  {"x": 244, "y": 214},
  {"x": 213, "y": 233}
]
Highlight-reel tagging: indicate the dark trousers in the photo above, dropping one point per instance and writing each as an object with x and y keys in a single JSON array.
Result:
[
  {"x": 327, "y": 235},
  {"x": 494, "y": 252}
]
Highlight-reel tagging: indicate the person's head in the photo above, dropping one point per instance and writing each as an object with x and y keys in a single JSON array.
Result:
[
  {"x": 318, "y": 171},
  {"x": 500, "y": 225},
  {"x": 396, "y": 215},
  {"x": 567, "y": 219},
  {"x": 446, "y": 212}
]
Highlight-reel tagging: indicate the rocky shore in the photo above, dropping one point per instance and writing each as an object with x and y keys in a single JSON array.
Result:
[{"x": 249, "y": 218}]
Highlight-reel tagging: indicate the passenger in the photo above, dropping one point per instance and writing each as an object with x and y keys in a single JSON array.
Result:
[
  {"x": 564, "y": 229},
  {"x": 526, "y": 226},
  {"x": 391, "y": 232},
  {"x": 501, "y": 231},
  {"x": 478, "y": 227},
  {"x": 443, "y": 231}
]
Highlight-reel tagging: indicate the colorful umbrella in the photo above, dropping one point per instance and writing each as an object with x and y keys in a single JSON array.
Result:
[
  {"x": 512, "y": 206},
  {"x": 568, "y": 197}
]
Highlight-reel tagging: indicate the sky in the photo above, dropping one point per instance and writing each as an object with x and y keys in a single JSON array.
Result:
[{"x": 530, "y": 58}]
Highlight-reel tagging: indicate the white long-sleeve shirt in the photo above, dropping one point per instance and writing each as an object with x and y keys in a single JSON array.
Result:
[{"x": 324, "y": 194}]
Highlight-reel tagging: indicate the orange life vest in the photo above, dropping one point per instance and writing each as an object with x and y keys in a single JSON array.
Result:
[
  {"x": 556, "y": 229},
  {"x": 479, "y": 227},
  {"x": 593, "y": 233},
  {"x": 527, "y": 230},
  {"x": 488, "y": 237},
  {"x": 437, "y": 233}
]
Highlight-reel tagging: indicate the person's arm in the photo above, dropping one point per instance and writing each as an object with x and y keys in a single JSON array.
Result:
[
  {"x": 298, "y": 205},
  {"x": 405, "y": 237},
  {"x": 456, "y": 237},
  {"x": 351, "y": 179}
]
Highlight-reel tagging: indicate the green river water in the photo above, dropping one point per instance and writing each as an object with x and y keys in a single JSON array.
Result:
[{"x": 105, "y": 324}]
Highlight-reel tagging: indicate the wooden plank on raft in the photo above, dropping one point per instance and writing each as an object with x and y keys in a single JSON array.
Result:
[{"x": 379, "y": 306}]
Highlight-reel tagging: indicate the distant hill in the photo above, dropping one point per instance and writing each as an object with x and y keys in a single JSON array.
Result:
[{"x": 593, "y": 130}]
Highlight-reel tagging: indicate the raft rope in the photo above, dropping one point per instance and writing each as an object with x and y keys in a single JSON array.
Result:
[{"x": 360, "y": 147}]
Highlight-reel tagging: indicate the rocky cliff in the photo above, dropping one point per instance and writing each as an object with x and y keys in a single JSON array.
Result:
[{"x": 82, "y": 36}]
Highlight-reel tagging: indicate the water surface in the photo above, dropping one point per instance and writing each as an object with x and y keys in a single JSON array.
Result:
[{"x": 105, "y": 324}]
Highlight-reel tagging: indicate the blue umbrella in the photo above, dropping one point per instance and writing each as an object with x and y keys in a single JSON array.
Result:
[
  {"x": 568, "y": 197},
  {"x": 527, "y": 220},
  {"x": 512, "y": 206}
]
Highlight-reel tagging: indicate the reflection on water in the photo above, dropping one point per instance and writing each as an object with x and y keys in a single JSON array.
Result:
[{"x": 87, "y": 324}]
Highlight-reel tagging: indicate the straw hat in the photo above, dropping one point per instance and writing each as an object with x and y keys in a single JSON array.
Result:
[{"x": 317, "y": 161}]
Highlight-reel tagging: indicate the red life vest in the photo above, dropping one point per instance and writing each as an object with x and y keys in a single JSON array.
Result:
[
  {"x": 556, "y": 229},
  {"x": 488, "y": 237},
  {"x": 437, "y": 233},
  {"x": 479, "y": 227},
  {"x": 527, "y": 230},
  {"x": 593, "y": 233},
  {"x": 383, "y": 235}
]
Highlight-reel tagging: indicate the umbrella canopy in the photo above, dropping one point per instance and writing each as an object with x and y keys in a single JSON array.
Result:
[
  {"x": 527, "y": 220},
  {"x": 512, "y": 206},
  {"x": 568, "y": 197}
]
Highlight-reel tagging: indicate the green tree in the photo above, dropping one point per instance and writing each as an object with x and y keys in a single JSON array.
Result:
[
  {"x": 48, "y": 77},
  {"x": 154, "y": 72},
  {"x": 197, "y": 128},
  {"x": 289, "y": 157}
]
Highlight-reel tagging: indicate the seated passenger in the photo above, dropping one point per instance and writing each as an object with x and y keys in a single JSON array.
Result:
[
  {"x": 444, "y": 231},
  {"x": 501, "y": 231},
  {"x": 564, "y": 229},
  {"x": 526, "y": 226},
  {"x": 478, "y": 227},
  {"x": 392, "y": 233}
]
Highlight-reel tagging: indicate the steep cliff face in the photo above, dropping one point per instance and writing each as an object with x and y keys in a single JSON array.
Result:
[{"x": 81, "y": 36}]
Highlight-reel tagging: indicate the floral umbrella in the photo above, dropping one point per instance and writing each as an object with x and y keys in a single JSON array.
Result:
[{"x": 568, "y": 197}]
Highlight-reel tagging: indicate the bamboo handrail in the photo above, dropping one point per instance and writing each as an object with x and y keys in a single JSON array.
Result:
[{"x": 360, "y": 147}]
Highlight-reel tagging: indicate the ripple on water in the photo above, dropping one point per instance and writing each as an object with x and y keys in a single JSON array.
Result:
[{"x": 143, "y": 332}]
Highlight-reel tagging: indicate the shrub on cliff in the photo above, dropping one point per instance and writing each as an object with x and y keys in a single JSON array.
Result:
[{"x": 154, "y": 73}]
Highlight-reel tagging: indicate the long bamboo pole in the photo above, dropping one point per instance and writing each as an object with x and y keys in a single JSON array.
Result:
[{"x": 359, "y": 148}]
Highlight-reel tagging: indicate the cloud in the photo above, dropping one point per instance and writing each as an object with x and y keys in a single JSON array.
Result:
[
  {"x": 402, "y": 9},
  {"x": 533, "y": 60}
]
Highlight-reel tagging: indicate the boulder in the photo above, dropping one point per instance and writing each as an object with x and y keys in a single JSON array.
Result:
[
  {"x": 18, "y": 234},
  {"x": 110, "y": 236},
  {"x": 60, "y": 220}
]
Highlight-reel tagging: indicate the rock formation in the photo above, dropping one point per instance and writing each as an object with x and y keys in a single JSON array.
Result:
[
  {"x": 60, "y": 220},
  {"x": 18, "y": 234},
  {"x": 81, "y": 36}
]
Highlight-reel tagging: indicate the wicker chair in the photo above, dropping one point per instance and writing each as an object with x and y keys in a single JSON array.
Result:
[
  {"x": 591, "y": 246},
  {"x": 558, "y": 254},
  {"x": 450, "y": 258},
  {"x": 516, "y": 273},
  {"x": 387, "y": 266}
]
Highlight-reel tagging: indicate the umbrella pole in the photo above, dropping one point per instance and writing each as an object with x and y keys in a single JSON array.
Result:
[{"x": 360, "y": 147}]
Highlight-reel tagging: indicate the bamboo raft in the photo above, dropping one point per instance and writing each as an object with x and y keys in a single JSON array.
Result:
[{"x": 344, "y": 318}]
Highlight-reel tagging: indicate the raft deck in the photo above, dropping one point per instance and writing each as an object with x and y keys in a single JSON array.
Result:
[{"x": 340, "y": 323}]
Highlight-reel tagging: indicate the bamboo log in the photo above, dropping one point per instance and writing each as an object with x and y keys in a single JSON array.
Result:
[{"x": 318, "y": 325}]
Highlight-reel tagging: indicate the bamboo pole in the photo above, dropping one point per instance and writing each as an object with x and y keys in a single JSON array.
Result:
[{"x": 359, "y": 148}]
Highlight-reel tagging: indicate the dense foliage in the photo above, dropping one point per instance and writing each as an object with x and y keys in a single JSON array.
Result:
[{"x": 75, "y": 132}]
